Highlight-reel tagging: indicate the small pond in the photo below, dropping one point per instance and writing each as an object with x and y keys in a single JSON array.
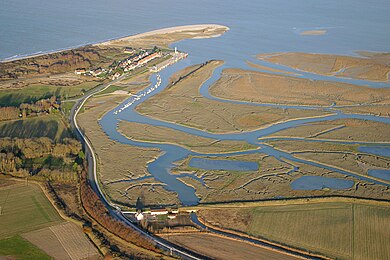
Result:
[
  {"x": 381, "y": 174},
  {"x": 378, "y": 150},
  {"x": 227, "y": 165},
  {"x": 319, "y": 183}
]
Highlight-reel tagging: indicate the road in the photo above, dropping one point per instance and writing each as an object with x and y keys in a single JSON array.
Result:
[{"x": 114, "y": 210}]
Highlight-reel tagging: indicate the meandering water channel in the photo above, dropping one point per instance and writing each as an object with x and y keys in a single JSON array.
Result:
[{"x": 161, "y": 167}]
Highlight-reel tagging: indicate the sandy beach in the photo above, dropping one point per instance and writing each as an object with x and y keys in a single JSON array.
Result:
[
  {"x": 176, "y": 29},
  {"x": 314, "y": 32},
  {"x": 210, "y": 30}
]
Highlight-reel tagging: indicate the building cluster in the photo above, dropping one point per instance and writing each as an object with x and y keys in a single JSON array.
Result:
[
  {"x": 176, "y": 56},
  {"x": 93, "y": 72},
  {"x": 153, "y": 214},
  {"x": 117, "y": 68}
]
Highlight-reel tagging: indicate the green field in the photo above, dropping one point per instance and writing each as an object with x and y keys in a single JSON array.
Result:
[
  {"x": 340, "y": 230},
  {"x": 19, "y": 248},
  {"x": 111, "y": 89},
  {"x": 50, "y": 126},
  {"x": 25, "y": 208},
  {"x": 35, "y": 92},
  {"x": 66, "y": 107}
]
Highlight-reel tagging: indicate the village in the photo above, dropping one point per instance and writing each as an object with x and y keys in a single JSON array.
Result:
[
  {"x": 161, "y": 220},
  {"x": 137, "y": 58}
]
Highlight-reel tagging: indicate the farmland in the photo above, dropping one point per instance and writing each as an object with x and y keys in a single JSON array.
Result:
[
  {"x": 20, "y": 248},
  {"x": 34, "y": 92},
  {"x": 29, "y": 224},
  {"x": 63, "y": 241},
  {"x": 25, "y": 208},
  {"x": 51, "y": 126},
  {"x": 335, "y": 229},
  {"x": 218, "y": 247}
]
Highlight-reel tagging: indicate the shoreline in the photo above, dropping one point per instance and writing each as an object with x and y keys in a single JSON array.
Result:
[{"x": 167, "y": 30}]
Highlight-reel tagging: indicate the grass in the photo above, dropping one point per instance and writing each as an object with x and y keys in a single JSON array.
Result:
[
  {"x": 25, "y": 208},
  {"x": 50, "y": 126},
  {"x": 20, "y": 248},
  {"x": 66, "y": 107},
  {"x": 340, "y": 230},
  {"x": 111, "y": 89},
  {"x": 35, "y": 92}
]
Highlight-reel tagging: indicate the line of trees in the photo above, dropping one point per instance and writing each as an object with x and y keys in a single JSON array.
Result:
[
  {"x": 95, "y": 207},
  {"x": 27, "y": 109},
  {"x": 41, "y": 158}
]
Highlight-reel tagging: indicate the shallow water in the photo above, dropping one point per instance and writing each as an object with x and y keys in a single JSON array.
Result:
[
  {"x": 378, "y": 150},
  {"x": 381, "y": 174},
  {"x": 319, "y": 183}
]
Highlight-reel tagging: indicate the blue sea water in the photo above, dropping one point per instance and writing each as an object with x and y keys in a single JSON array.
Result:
[{"x": 257, "y": 26}]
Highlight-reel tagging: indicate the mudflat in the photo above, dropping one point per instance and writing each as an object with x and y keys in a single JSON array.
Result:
[
  {"x": 369, "y": 66},
  {"x": 260, "y": 87},
  {"x": 158, "y": 134},
  {"x": 183, "y": 104}
]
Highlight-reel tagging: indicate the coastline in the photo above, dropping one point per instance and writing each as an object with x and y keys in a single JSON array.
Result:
[{"x": 167, "y": 30}]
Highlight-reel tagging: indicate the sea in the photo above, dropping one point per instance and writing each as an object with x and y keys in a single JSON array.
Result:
[{"x": 257, "y": 26}]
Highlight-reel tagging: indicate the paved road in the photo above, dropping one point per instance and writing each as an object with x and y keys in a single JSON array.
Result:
[{"x": 114, "y": 210}]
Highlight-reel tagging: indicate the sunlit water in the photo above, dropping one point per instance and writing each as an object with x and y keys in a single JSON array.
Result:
[{"x": 255, "y": 27}]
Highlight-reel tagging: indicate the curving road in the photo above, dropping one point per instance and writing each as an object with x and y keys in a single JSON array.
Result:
[{"x": 114, "y": 210}]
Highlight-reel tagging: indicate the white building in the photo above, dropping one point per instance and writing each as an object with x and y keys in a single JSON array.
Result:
[
  {"x": 139, "y": 216},
  {"x": 155, "y": 212}
]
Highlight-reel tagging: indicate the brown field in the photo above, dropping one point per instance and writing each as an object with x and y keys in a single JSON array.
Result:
[
  {"x": 69, "y": 194},
  {"x": 149, "y": 133},
  {"x": 63, "y": 241},
  {"x": 270, "y": 88},
  {"x": 218, "y": 247},
  {"x": 371, "y": 66},
  {"x": 335, "y": 229},
  {"x": 4, "y": 182},
  {"x": 341, "y": 129},
  {"x": 183, "y": 104}
]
